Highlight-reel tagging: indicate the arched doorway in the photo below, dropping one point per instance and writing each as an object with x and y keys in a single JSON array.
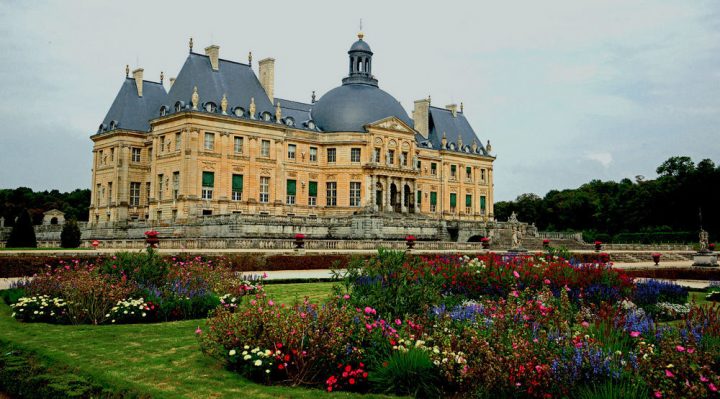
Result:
[
  {"x": 394, "y": 202},
  {"x": 408, "y": 198},
  {"x": 54, "y": 220},
  {"x": 379, "y": 195}
]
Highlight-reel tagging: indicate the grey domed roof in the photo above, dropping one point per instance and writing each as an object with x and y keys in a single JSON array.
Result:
[
  {"x": 351, "y": 106},
  {"x": 360, "y": 45}
]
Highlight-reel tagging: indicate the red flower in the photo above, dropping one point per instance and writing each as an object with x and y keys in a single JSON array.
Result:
[
  {"x": 299, "y": 236},
  {"x": 351, "y": 381}
]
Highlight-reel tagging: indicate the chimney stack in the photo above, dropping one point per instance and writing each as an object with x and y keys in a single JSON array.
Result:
[
  {"x": 421, "y": 117},
  {"x": 452, "y": 108},
  {"x": 267, "y": 77},
  {"x": 213, "y": 52},
  {"x": 138, "y": 76}
]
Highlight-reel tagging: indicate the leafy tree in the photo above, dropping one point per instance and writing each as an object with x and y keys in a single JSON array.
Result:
[
  {"x": 70, "y": 235},
  {"x": 23, "y": 233}
]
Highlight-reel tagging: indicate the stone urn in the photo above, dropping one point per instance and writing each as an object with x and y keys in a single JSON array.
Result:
[
  {"x": 299, "y": 241},
  {"x": 546, "y": 243},
  {"x": 151, "y": 238},
  {"x": 410, "y": 241},
  {"x": 656, "y": 258},
  {"x": 485, "y": 242},
  {"x": 598, "y": 245}
]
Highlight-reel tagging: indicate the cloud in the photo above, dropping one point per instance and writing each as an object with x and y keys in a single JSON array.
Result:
[{"x": 605, "y": 158}]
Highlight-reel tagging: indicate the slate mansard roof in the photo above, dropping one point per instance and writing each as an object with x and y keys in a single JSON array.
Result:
[
  {"x": 346, "y": 108},
  {"x": 132, "y": 112}
]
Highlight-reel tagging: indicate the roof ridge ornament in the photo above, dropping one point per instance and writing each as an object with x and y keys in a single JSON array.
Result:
[
  {"x": 250, "y": 58},
  {"x": 224, "y": 104},
  {"x": 313, "y": 97},
  {"x": 488, "y": 147},
  {"x": 191, "y": 44},
  {"x": 127, "y": 70},
  {"x": 443, "y": 141},
  {"x": 195, "y": 98},
  {"x": 252, "y": 107},
  {"x": 462, "y": 107},
  {"x": 162, "y": 76}
]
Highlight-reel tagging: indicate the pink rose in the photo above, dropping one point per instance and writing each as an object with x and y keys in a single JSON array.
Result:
[
  {"x": 635, "y": 334},
  {"x": 346, "y": 296},
  {"x": 516, "y": 274},
  {"x": 712, "y": 387},
  {"x": 704, "y": 379},
  {"x": 669, "y": 374},
  {"x": 585, "y": 324},
  {"x": 398, "y": 321},
  {"x": 658, "y": 394},
  {"x": 546, "y": 281},
  {"x": 680, "y": 348}
]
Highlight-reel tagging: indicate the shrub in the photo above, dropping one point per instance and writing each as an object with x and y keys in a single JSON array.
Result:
[
  {"x": 146, "y": 268},
  {"x": 70, "y": 235},
  {"x": 23, "y": 233},
  {"x": 40, "y": 308},
  {"x": 408, "y": 373}
]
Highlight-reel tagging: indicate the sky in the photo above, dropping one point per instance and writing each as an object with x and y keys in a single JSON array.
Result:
[{"x": 566, "y": 91}]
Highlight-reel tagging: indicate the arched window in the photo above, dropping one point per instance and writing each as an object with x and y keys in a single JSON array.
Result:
[
  {"x": 210, "y": 107},
  {"x": 178, "y": 106},
  {"x": 290, "y": 121},
  {"x": 239, "y": 112},
  {"x": 266, "y": 116},
  {"x": 163, "y": 110}
]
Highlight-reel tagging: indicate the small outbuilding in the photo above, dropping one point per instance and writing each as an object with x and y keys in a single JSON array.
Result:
[{"x": 53, "y": 216}]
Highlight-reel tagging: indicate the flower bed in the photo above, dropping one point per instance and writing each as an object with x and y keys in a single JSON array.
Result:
[
  {"x": 130, "y": 288},
  {"x": 486, "y": 326}
]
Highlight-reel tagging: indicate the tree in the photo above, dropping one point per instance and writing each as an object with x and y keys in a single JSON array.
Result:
[
  {"x": 676, "y": 166},
  {"x": 70, "y": 235},
  {"x": 23, "y": 233}
]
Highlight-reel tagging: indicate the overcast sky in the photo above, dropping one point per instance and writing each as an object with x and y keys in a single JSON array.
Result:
[{"x": 566, "y": 91}]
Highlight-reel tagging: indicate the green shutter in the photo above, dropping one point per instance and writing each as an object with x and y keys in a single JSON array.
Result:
[
  {"x": 237, "y": 183},
  {"x": 453, "y": 168},
  {"x": 482, "y": 202},
  {"x": 468, "y": 200},
  {"x": 419, "y": 197},
  {"x": 453, "y": 200},
  {"x": 433, "y": 166},
  {"x": 291, "y": 187},
  {"x": 468, "y": 170},
  {"x": 208, "y": 179},
  {"x": 312, "y": 189},
  {"x": 433, "y": 198}
]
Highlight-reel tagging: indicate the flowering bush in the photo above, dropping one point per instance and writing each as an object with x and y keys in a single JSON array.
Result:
[
  {"x": 132, "y": 311},
  {"x": 40, "y": 308}
]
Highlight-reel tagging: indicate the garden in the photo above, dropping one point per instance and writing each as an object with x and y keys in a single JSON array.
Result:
[{"x": 533, "y": 326}]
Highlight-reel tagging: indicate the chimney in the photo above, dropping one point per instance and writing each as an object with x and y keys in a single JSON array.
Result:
[
  {"x": 172, "y": 82},
  {"x": 213, "y": 52},
  {"x": 267, "y": 77},
  {"x": 421, "y": 117},
  {"x": 138, "y": 76},
  {"x": 452, "y": 108}
]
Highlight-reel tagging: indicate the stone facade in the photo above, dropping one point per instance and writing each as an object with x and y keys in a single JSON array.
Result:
[{"x": 207, "y": 160}]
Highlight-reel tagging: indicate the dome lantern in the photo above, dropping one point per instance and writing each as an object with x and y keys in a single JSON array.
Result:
[{"x": 360, "y": 68}]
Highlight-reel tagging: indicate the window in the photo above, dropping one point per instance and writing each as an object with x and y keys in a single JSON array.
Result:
[
  {"x": 453, "y": 171},
  {"x": 331, "y": 193},
  {"x": 237, "y": 187},
  {"x": 419, "y": 198},
  {"x": 433, "y": 168},
  {"x": 176, "y": 185},
  {"x": 482, "y": 174},
  {"x": 97, "y": 195},
  {"x": 433, "y": 201},
  {"x": 468, "y": 172},
  {"x": 331, "y": 155},
  {"x": 112, "y": 154},
  {"x": 209, "y": 141},
  {"x": 404, "y": 159},
  {"x": 453, "y": 202},
  {"x": 391, "y": 157},
  {"x": 468, "y": 203},
  {"x": 354, "y": 193},
  {"x": 265, "y": 148},
  {"x": 418, "y": 165},
  {"x": 292, "y": 148},
  {"x": 376, "y": 157},
  {"x": 264, "y": 189},
  {"x": 160, "y": 187},
  {"x": 210, "y": 107},
  {"x": 208, "y": 184},
  {"x": 291, "y": 185},
  {"x": 178, "y": 141},
  {"x": 147, "y": 192},
  {"x": 312, "y": 193},
  {"x": 483, "y": 201},
  {"x": 135, "y": 155},
  {"x": 238, "y": 145},
  {"x": 134, "y": 194},
  {"x": 313, "y": 154},
  {"x": 355, "y": 155},
  {"x": 162, "y": 143},
  {"x": 109, "y": 192}
]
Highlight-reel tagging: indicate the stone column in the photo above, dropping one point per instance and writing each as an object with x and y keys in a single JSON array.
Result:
[
  {"x": 387, "y": 194},
  {"x": 372, "y": 194},
  {"x": 403, "y": 208},
  {"x": 416, "y": 209}
]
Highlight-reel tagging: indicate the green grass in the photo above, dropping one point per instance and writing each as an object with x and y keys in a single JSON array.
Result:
[{"x": 162, "y": 359}]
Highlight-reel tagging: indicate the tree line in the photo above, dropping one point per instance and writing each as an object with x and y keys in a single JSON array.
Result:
[
  {"x": 666, "y": 209},
  {"x": 74, "y": 204}
]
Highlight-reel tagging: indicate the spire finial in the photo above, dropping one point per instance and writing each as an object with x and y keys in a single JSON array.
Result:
[
  {"x": 360, "y": 33},
  {"x": 127, "y": 70},
  {"x": 313, "y": 97},
  {"x": 250, "y": 58},
  {"x": 191, "y": 44},
  {"x": 462, "y": 107},
  {"x": 162, "y": 76}
]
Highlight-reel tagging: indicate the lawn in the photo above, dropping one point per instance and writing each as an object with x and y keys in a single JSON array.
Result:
[{"x": 162, "y": 359}]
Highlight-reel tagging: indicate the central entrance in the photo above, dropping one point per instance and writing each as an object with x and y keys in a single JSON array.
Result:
[
  {"x": 379, "y": 195},
  {"x": 394, "y": 200}
]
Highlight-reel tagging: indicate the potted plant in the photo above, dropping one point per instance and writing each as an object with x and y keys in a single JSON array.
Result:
[
  {"x": 598, "y": 245},
  {"x": 656, "y": 257},
  {"x": 299, "y": 241},
  {"x": 711, "y": 246},
  {"x": 410, "y": 241},
  {"x": 485, "y": 242},
  {"x": 151, "y": 238},
  {"x": 546, "y": 243},
  {"x": 95, "y": 243}
]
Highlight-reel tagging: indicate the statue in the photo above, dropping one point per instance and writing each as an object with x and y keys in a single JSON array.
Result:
[
  {"x": 224, "y": 104},
  {"x": 195, "y": 99},
  {"x": 252, "y": 107},
  {"x": 278, "y": 113},
  {"x": 515, "y": 239},
  {"x": 704, "y": 241},
  {"x": 513, "y": 218}
]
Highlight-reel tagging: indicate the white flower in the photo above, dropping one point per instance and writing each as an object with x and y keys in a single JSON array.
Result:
[
  {"x": 247, "y": 357},
  {"x": 258, "y": 363},
  {"x": 232, "y": 352}
]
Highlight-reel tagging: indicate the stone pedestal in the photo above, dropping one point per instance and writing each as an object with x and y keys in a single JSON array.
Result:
[{"x": 705, "y": 259}]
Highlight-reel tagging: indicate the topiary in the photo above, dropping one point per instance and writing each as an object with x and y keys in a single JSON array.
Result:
[
  {"x": 23, "y": 233},
  {"x": 70, "y": 235}
]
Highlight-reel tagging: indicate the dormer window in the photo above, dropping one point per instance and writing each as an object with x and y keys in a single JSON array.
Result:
[
  {"x": 113, "y": 125},
  {"x": 310, "y": 125},
  {"x": 266, "y": 116},
  {"x": 452, "y": 146},
  {"x": 239, "y": 112},
  {"x": 210, "y": 107},
  {"x": 289, "y": 121},
  {"x": 178, "y": 106},
  {"x": 163, "y": 110}
]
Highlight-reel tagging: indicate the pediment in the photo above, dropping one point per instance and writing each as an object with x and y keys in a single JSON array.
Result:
[{"x": 392, "y": 123}]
